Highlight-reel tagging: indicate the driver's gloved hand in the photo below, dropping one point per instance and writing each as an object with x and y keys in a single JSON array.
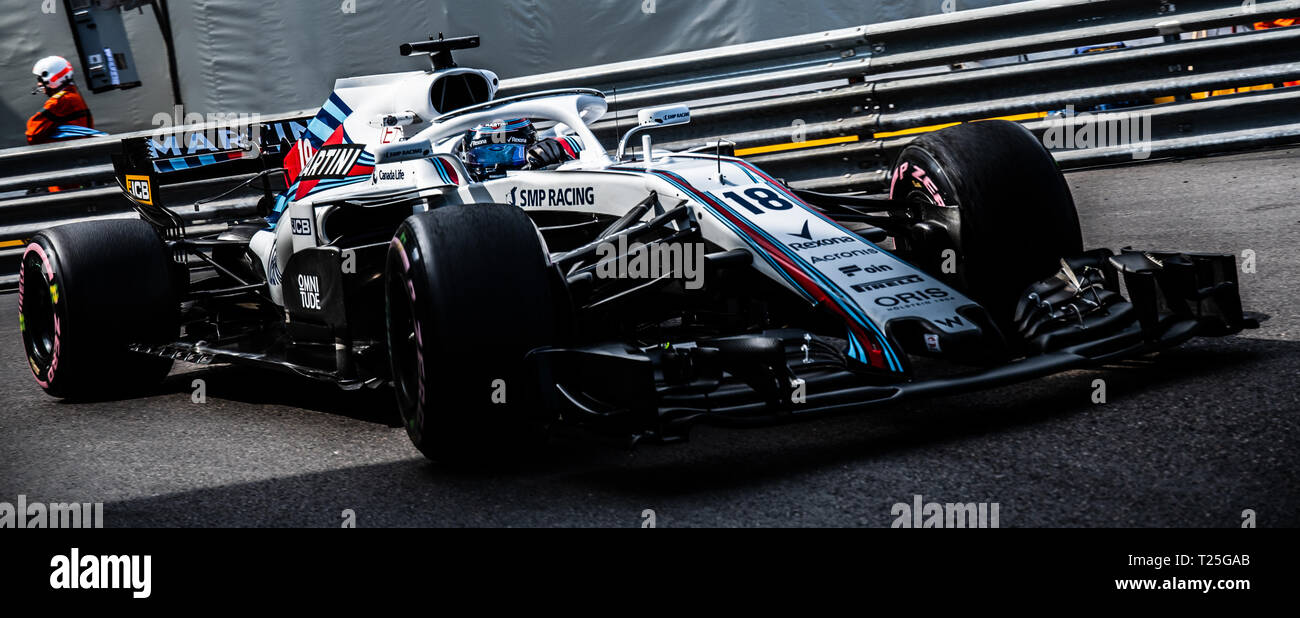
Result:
[{"x": 547, "y": 152}]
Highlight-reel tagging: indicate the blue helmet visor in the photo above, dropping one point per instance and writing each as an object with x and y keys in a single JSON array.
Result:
[{"x": 492, "y": 155}]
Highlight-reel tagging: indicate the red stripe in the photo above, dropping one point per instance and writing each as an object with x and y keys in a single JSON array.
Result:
[
  {"x": 451, "y": 172},
  {"x": 875, "y": 354},
  {"x": 792, "y": 196},
  {"x": 568, "y": 148},
  {"x": 57, "y": 76}
]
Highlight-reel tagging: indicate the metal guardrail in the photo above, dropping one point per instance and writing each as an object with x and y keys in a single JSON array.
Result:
[{"x": 830, "y": 110}]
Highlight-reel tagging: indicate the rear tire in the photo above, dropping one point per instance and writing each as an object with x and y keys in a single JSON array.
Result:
[
  {"x": 469, "y": 293},
  {"x": 88, "y": 290},
  {"x": 1013, "y": 220}
]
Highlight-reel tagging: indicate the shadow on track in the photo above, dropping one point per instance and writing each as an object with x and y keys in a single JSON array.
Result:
[
  {"x": 269, "y": 388},
  {"x": 570, "y": 482}
]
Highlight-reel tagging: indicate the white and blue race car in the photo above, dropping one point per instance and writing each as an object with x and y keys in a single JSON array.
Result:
[{"x": 626, "y": 290}]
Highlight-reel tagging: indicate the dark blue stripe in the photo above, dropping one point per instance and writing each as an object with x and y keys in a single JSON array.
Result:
[{"x": 847, "y": 303}]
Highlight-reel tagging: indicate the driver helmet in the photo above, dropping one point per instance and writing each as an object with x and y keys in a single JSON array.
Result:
[
  {"x": 52, "y": 72},
  {"x": 498, "y": 146}
]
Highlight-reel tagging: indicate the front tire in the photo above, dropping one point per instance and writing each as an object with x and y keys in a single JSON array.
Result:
[
  {"x": 991, "y": 193},
  {"x": 86, "y": 292},
  {"x": 469, "y": 293}
]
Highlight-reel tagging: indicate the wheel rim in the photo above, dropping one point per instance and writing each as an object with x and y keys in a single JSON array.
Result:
[
  {"x": 927, "y": 253},
  {"x": 402, "y": 345},
  {"x": 37, "y": 314}
]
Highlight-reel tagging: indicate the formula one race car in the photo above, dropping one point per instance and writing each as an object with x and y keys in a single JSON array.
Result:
[{"x": 634, "y": 294}]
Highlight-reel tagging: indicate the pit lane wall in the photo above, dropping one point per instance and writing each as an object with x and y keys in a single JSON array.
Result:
[{"x": 246, "y": 56}]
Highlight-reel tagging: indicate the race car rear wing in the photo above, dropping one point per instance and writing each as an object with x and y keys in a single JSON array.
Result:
[{"x": 163, "y": 173}]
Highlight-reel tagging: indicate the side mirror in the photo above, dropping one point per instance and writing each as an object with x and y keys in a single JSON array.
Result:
[
  {"x": 664, "y": 116},
  {"x": 413, "y": 150},
  {"x": 654, "y": 118}
]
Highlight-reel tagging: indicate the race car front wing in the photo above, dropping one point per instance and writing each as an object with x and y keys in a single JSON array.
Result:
[{"x": 1101, "y": 307}]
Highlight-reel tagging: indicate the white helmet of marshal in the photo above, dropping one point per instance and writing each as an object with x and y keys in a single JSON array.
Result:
[{"x": 53, "y": 71}]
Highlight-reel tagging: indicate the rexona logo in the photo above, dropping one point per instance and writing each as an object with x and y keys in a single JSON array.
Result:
[
  {"x": 309, "y": 291},
  {"x": 333, "y": 162},
  {"x": 818, "y": 244},
  {"x": 77, "y": 572},
  {"x": 140, "y": 189},
  {"x": 570, "y": 196}
]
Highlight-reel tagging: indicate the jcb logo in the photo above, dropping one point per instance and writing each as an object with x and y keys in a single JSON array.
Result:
[
  {"x": 139, "y": 188},
  {"x": 301, "y": 227}
]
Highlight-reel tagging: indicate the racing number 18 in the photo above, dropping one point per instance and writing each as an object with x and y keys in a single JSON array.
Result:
[{"x": 766, "y": 198}]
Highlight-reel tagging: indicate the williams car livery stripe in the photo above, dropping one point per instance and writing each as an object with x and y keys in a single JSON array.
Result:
[
  {"x": 327, "y": 120},
  {"x": 806, "y": 277},
  {"x": 445, "y": 171},
  {"x": 360, "y": 170},
  {"x": 572, "y": 146},
  {"x": 163, "y": 166},
  {"x": 732, "y": 226}
]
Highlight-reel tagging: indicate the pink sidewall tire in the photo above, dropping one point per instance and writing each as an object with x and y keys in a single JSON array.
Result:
[
  {"x": 87, "y": 292},
  {"x": 992, "y": 193}
]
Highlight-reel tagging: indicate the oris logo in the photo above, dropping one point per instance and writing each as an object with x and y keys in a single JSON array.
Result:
[{"x": 912, "y": 298}]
